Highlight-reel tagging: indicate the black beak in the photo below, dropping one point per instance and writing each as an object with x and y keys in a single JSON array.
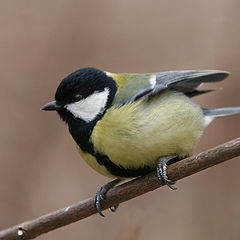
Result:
[{"x": 51, "y": 106}]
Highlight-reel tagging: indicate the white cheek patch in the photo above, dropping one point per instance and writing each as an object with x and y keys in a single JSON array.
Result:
[{"x": 87, "y": 109}]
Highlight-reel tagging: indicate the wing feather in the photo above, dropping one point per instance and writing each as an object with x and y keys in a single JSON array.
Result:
[{"x": 137, "y": 86}]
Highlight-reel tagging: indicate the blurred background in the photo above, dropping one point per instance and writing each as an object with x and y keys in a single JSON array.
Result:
[{"x": 40, "y": 170}]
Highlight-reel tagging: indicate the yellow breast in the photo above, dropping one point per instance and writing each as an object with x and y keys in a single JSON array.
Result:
[{"x": 137, "y": 134}]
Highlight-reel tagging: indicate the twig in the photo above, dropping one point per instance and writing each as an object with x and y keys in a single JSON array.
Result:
[{"x": 122, "y": 193}]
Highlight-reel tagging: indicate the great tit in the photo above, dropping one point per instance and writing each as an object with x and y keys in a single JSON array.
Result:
[{"x": 126, "y": 125}]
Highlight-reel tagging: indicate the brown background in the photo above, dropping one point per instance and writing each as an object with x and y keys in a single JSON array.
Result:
[{"x": 40, "y": 170}]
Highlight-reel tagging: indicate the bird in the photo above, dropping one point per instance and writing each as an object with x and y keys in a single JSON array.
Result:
[{"x": 126, "y": 125}]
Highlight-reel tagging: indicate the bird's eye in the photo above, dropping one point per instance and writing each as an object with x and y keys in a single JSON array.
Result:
[{"x": 77, "y": 97}]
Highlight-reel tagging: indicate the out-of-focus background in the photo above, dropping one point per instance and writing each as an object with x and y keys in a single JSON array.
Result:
[{"x": 40, "y": 170}]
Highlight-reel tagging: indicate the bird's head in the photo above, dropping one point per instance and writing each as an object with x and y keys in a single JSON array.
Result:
[{"x": 84, "y": 95}]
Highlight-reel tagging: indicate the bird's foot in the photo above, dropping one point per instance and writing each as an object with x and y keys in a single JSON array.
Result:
[
  {"x": 162, "y": 171},
  {"x": 101, "y": 193}
]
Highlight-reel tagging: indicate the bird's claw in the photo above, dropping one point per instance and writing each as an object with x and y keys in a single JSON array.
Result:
[
  {"x": 162, "y": 171},
  {"x": 100, "y": 196}
]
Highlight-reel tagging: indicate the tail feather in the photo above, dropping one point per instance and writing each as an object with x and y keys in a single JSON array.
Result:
[{"x": 211, "y": 114}]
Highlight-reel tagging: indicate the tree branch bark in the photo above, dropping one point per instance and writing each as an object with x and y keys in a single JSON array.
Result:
[{"x": 122, "y": 193}]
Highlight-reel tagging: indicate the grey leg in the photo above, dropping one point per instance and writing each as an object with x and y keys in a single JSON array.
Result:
[{"x": 162, "y": 171}]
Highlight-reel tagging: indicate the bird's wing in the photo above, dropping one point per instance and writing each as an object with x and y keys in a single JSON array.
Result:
[{"x": 132, "y": 87}]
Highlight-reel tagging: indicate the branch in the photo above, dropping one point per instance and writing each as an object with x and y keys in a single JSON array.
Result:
[{"x": 122, "y": 193}]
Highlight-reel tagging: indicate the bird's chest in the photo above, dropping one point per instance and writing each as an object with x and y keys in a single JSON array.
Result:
[{"x": 139, "y": 133}]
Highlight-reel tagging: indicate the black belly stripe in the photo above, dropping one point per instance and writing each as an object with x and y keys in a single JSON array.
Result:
[
  {"x": 81, "y": 134},
  {"x": 119, "y": 171},
  {"x": 82, "y": 137}
]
